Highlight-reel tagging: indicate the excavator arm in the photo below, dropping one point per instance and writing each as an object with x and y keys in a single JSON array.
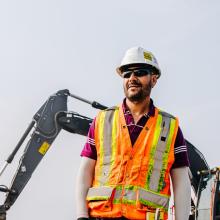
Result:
[{"x": 43, "y": 129}]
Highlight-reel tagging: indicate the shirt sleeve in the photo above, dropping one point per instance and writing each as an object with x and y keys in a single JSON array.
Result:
[
  {"x": 89, "y": 149},
  {"x": 180, "y": 151}
]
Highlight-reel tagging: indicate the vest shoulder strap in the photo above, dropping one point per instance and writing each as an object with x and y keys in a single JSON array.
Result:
[
  {"x": 165, "y": 114},
  {"x": 113, "y": 108}
]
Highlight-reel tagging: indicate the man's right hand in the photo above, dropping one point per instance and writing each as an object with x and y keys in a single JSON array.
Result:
[
  {"x": 3, "y": 216},
  {"x": 2, "y": 213}
]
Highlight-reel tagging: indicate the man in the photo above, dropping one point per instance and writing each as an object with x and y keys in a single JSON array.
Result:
[{"x": 131, "y": 152}]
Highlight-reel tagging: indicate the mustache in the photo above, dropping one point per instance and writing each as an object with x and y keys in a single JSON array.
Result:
[{"x": 134, "y": 83}]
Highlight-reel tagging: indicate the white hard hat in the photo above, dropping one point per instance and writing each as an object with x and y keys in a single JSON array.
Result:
[{"x": 138, "y": 55}]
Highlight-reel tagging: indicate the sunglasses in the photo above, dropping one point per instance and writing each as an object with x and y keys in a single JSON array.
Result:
[{"x": 137, "y": 73}]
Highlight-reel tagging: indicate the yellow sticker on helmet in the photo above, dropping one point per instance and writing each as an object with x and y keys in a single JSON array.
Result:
[
  {"x": 147, "y": 56},
  {"x": 44, "y": 148}
]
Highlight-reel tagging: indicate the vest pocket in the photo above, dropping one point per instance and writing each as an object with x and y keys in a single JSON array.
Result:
[{"x": 100, "y": 198}]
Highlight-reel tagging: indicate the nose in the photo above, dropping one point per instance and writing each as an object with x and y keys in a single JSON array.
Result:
[{"x": 132, "y": 76}]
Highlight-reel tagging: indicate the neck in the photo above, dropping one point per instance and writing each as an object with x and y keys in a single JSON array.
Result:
[{"x": 138, "y": 108}]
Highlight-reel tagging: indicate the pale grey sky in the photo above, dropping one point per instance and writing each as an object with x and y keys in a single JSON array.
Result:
[{"x": 49, "y": 45}]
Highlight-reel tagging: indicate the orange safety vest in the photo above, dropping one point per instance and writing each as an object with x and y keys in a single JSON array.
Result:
[{"x": 132, "y": 181}]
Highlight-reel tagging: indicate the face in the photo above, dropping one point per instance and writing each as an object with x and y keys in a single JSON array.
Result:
[{"x": 138, "y": 88}]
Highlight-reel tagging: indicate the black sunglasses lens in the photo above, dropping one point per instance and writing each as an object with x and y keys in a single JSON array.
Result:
[
  {"x": 142, "y": 72},
  {"x": 126, "y": 74},
  {"x": 137, "y": 73}
]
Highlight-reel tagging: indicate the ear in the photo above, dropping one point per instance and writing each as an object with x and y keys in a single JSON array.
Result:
[{"x": 153, "y": 80}]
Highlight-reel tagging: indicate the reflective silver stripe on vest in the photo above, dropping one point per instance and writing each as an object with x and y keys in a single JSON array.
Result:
[
  {"x": 107, "y": 142},
  {"x": 130, "y": 195},
  {"x": 118, "y": 194},
  {"x": 158, "y": 156},
  {"x": 105, "y": 193},
  {"x": 160, "y": 200},
  {"x": 99, "y": 192}
]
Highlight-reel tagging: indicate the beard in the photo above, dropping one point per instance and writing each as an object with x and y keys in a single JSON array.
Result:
[{"x": 142, "y": 92}]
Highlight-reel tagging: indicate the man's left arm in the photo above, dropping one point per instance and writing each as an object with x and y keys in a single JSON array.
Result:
[{"x": 182, "y": 192}]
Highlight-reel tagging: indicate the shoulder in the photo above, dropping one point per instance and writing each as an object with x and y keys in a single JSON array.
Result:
[
  {"x": 113, "y": 108},
  {"x": 107, "y": 110},
  {"x": 106, "y": 115},
  {"x": 166, "y": 114}
]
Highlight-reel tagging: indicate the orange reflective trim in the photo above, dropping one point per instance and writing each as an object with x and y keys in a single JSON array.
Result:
[
  {"x": 114, "y": 141},
  {"x": 162, "y": 152},
  {"x": 156, "y": 136},
  {"x": 165, "y": 158},
  {"x": 107, "y": 146},
  {"x": 171, "y": 158},
  {"x": 99, "y": 125},
  {"x": 106, "y": 137}
]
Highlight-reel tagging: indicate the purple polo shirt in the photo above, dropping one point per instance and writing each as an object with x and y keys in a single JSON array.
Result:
[{"x": 180, "y": 149}]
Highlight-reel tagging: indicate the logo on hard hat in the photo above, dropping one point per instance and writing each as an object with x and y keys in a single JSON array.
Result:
[{"x": 147, "y": 56}]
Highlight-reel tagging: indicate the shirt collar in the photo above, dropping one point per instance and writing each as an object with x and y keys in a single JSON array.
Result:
[{"x": 151, "y": 108}]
